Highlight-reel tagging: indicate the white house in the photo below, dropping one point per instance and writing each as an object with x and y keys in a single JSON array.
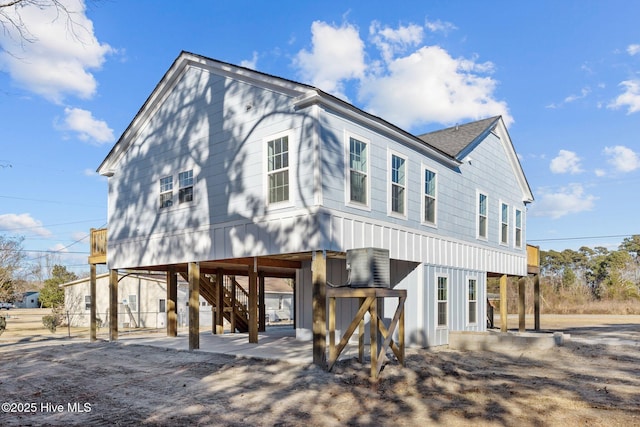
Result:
[{"x": 226, "y": 170}]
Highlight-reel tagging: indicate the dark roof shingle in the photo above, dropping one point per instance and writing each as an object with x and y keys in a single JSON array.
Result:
[{"x": 455, "y": 139}]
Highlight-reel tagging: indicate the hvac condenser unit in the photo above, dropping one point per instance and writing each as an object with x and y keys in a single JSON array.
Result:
[{"x": 368, "y": 268}]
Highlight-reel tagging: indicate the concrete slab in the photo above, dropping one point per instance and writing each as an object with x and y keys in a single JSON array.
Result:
[{"x": 510, "y": 341}]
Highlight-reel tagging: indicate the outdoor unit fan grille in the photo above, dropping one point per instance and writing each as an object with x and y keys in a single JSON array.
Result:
[{"x": 368, "y": 268}]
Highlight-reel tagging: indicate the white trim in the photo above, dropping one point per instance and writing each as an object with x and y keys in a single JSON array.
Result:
[
  {"x": 347, "y": 170},
  {"x": 467, "y": 301},
  {"x": 501, "y": 241},
  {"x": 390, "y": 212},
  {"x": 477, "y": 219},
  {"x": 290, "y": 169},
  {"x": 433, "y": 224},
  {"x": 515, "y": 227},
  {"x": 436, "y": 300}
]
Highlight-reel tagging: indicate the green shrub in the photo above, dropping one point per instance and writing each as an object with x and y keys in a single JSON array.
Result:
[
  {"x": 51, "y": 322},
  {"x": 3, "y": 324}
]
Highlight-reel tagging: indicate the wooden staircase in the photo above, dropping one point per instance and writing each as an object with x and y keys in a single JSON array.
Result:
[{"x": 235, "y": 304}]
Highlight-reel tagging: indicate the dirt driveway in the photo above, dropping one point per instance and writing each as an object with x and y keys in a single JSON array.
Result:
[{"x": 72, "y": 382}]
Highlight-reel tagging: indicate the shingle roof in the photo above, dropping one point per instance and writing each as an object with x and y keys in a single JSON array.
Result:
[{"x": 455, "y": 139}]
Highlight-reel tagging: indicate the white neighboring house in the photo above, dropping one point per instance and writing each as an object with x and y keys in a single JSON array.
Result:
[{"x": 29, "y": 300}]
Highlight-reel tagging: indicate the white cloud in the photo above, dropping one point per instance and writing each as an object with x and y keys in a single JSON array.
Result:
[
  {"x": 337, "y": 54},
  {"x": 20, "y": 223},
  {"x": 633, "y": 49},
  {"x": 61, "y": 51},
  {"x": 600, "y": 173},
  {"x": 630, "y": 98},
  {"x": 390, "y": 42},
  {"x": 439, "y": 26},
  {"x": 250, "y": 63},
  {"x": 86, "y": 126},
  {"x": 566, "y": 201},
  {"x": 59, "y": 247},
  {"x": 565, "y": 162},
  {"x": 583, "y": 94},
  {"x": 622, "y": 158}
]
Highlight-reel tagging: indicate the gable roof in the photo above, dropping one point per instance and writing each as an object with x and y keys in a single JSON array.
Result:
[{"x": 455, "y": 139}]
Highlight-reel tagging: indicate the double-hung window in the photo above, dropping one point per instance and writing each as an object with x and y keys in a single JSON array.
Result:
[
  {"x": 518, "y": 228},
  {"x": 482, "y": 216},
  {"x": 472, "y": 300},
  {"x": 166, "y": 192},
  {"x": 278, "y": 169},
  {"x": 185, "y": 185},
  {"x": 358, "y": 171},
  {"x": 442, "y": 301},
  {"x": 398, "y": 185},
  {"x": 429, "y": 197},
  {"x": 504, "y": 223}
]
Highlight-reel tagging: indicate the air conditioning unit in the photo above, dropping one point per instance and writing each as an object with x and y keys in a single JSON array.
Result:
[{"x": 368, "y": 268}]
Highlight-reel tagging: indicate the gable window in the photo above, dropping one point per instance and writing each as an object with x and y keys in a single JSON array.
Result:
[
  {"x": 166, "y": 192},
  {"x": 398, "y": 184},
  {"x": 185, "y": 186},
  {"x": 518, "y": 230},
  {"x": 358, "y": 171},
  {"x": 504, "y": 223},
  {"x": 472, "y": 300},
  {"x": 429, "y": 197},
  {"x": 482, "y": 215},
  {"x": 278, "y": 169},
  {"x": 442, "y": 301}
]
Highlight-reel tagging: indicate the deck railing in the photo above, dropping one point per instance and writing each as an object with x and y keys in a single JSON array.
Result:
[{"x": 98, "y": 246}]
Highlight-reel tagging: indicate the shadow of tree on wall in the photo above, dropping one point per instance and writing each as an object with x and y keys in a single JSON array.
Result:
[{"x": 128, "y": 384}]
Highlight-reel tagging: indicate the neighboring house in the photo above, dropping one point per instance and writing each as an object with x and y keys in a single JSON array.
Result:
[
  {"x": 226, "y": 169},
  {"x": 29, "y": 300}
]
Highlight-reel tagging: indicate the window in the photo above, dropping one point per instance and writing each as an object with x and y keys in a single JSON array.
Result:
[
  {"x": 87, "y": 302},
  {"x": 278, "y": 169},
  {"x": 398, "y": 184},
  {"x": 280, "y": 303},
  {"x": 133, "y": 302},
  {"x": 162, "y": 305},
  {"x": 442, "y": 301},
  {"x": 185, "y": 186},
  {"x": 166, "y": 192},
  {"x": 358, "y": 155},
  {"x": 482, "y": 216},
  {"x": 429, "y": 196},
  {"x": 472, "y": 300},
  {"x": 504, "y": 223},
  {"x": 518, "y": 233}
]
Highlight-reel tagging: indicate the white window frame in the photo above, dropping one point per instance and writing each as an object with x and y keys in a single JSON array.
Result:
[
  {"x": 289, "y": 168},
  {"x": 166, "y": 189},
  {"x": 438, "y": 301},
  {"x": 503, "y": 223},
  {"x": 517, "y": 229},
  {"x": 347, "y": 145},
  {"x": 391, "y": 184},
  {"x": 425, "y": 195},
  {"x": 133, "y": 306},
  {"x": 485, "y": 216},
  {"x": 469, "y": 301},
  {"x": 183, "y": 185},
  {"x": 87, "y": 302}
]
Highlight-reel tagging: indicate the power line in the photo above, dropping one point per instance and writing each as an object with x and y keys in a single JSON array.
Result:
[
  {"x": 50, "y": 201},
  {"x": 50, "y": 225},
  {"x": 582, "y": 238}
]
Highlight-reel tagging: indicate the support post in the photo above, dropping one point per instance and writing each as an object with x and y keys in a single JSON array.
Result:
[
  {"x": 262, "y": 323},
  {"x": 172, "y": 303},
  {"x": 93, "y": 309},
  {"x": 253, "y": 303},
  {"x": 319, "y": 306},
  {"x": 194, "y": 305},
  {"x": 219, "y": 329},
  {"x": 373, "y": 329},
  {"x": 503, "y": 304},
  {"x": 521, "y": 306},
  {"x": 536, "y": 302},
  {"x": 113, "y": 305}
]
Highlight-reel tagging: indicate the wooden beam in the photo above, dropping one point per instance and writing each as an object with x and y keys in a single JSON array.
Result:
[
  {"x": 536, "y": 302},
  {"x": 219, "y": 329},
  {"x": 253, "y": 303},
  {"x": 373, "y": 330},
  {"x": 92, "y": 291},
  {"x": 263, "y": 262},
  {"x": 113, "y": 305},
  {"x": 503, "y": 304},
  {"x": 319, "y": 307},
  {"x": 172, "y": 303},
  {"x": 521, "y": 308},
  {"x": 262, "y": 312},
  {"x": 194, "y": 305}
]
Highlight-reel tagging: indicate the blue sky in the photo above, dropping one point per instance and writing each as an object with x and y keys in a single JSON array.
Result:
[{"x": 564, "y": 74}]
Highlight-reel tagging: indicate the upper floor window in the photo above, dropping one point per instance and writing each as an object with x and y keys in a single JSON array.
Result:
[
  {"x": 278, "y": 169},
  {"x": 398, "y": 185},
  {"x": 166, "y": 192},
  {"x": 482, "y": 215},
  {"x": 442, "y": 301},
  {"x": 185, "y": 185},
  {"x": 518, "y": 228},
  {"x": 504, "y": 223},
  {"x": 429, "y": 197},
  {"x": 472, "y": 300},
  {"x": 358, "y": 171}
]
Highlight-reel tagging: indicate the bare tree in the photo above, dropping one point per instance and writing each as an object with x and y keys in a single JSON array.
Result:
[{"x": 12, "y": 259}]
